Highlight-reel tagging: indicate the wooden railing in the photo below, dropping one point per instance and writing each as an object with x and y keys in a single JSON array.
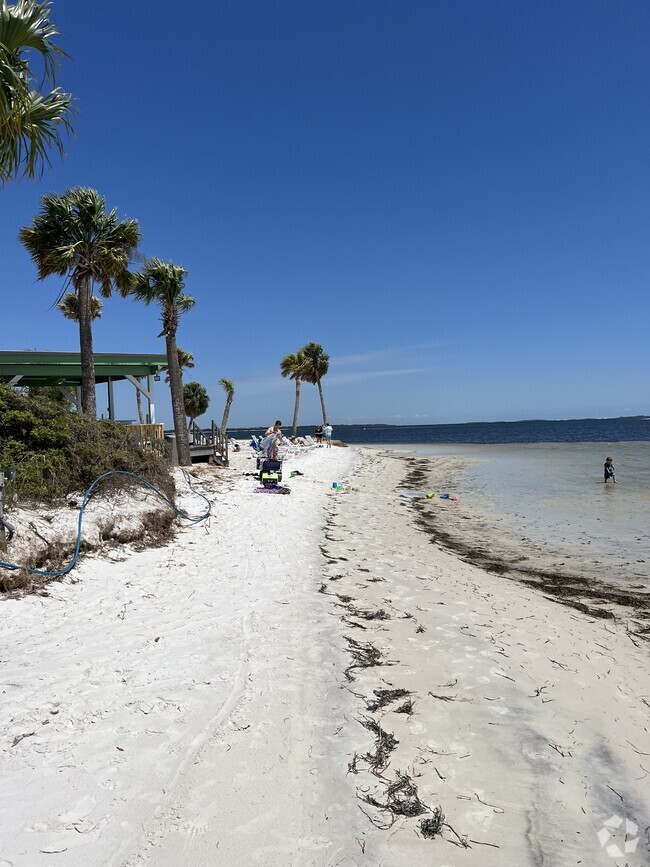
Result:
[
  {"x": 150, "y": 437},
  {"x": 216, "y": 440},
  {"x": 197, "y": 437},
  {"x": 220, "y": 440}
]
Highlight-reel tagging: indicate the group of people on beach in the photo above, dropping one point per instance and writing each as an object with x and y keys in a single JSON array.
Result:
[
  {"x": 321, "y": 431},
  {"x": 273, "y": 438}
]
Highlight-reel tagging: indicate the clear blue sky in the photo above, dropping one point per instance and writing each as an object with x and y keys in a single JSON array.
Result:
[{"x": 452, "y": 197}]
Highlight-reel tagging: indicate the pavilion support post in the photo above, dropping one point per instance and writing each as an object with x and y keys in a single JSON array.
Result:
[
  {"x": 111, "y": 399},
  {"x": 147, "y": 392},
  {"x": 152, "y": 408},
  {"x": 73, "y": 395}
]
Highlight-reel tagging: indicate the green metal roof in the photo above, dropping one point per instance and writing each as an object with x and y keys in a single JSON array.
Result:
[{"x": 64, "y": 368}]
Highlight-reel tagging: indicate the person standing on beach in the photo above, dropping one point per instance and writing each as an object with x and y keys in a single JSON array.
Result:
[
  {"x": 272, "y": 439},
  {"x": 609, "y": 471},
  {"x": 318, "y": 433},
  {"x": 327, "y": 433}
]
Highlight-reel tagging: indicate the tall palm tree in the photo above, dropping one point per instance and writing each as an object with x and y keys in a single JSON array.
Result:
[
  {"x": 195, "y": 400},
  {"x": 317, "y": 363},
  {"x": 293, "y": 366},
  {"x": 162, "y": 283},
  {"x": 229, "y": 387},
  {"x": 32, "y": 121},
  {"x": 185, "y": 361},
  {"x": 73, "y": 236}
]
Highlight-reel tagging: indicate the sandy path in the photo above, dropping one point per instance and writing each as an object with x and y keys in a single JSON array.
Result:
[{"x": 182, "y": 706}]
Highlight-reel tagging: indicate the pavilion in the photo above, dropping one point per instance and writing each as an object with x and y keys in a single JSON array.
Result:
[{"x": 62, "y": 370}]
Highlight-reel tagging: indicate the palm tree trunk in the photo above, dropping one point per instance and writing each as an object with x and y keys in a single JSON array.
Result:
[
  {"x": 178, "y": 408},
  {"x": 226, "y": 413},
  {"x": 296, "y": 407},
  {"x": 138, "y": 400},
  {"x": 88, "y": 399},
  {"x": 322, "y": 402}
]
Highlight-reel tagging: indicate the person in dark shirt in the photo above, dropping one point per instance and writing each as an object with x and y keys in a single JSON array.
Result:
[
  {"x": 318, "y": 433},
  {"x": 609, "y": 471}
]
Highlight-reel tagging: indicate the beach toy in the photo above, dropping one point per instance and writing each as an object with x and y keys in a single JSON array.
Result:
[
  {"x": 335, "y": 485},
  {"x": 445, "y": 497},
  {"x": 429, "y": 496}
]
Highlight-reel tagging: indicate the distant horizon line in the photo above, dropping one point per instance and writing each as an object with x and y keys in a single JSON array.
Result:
[{"x": 456, "y": 424}]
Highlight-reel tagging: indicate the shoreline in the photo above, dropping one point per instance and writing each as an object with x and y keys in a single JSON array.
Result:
[
  {"x": 573, "y": 583},
  {"x": 310, "y": 681},
  {"x": 526, "y": 723}
]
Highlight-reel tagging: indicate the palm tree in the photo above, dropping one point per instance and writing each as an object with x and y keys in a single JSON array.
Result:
[
  {"x": 69, "y": 306},
  {"x": 185, "y": 362},
  {"x": 31, "y": 121},
  {"x": 195, "y": 400},
  {"x": 317, "y": 363},
  {"x": 162, "y": 283},
  {"x": 229, "y": 387},
  {"x": 293, "y": 366},
  {"x": 74, "y": 237}
]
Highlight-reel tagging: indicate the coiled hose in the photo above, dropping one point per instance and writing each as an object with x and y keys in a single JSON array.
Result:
[{"x": 180, "y": 512}]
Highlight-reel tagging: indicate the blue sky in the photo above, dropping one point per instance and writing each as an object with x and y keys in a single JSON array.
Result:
[{"x": 452, "y": 197}]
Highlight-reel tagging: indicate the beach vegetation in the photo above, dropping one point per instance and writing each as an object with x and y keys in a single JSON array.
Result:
[
  {"x": 57, "y": 452},
  {"x": 34, "y": 113},
  {"x": 75, "y": 237},
  {"x": 294, "y": 366},
  {"x": 162, "y": 283},
  {"x": 229, "y": 387},
  {"x": 316, "y": 366},
  {"x": 195, "y": 400}
]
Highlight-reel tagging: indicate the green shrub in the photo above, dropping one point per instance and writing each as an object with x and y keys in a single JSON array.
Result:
[{"x": 57, "y": 452}]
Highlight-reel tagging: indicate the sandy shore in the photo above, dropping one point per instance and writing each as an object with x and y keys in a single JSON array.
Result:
[{"x": 309, "y": 680}]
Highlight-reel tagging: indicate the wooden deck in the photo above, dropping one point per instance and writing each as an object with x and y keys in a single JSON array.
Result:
[{"x": 210, "y": 447}]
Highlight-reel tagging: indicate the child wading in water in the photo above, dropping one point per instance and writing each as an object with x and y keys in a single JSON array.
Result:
[{"x": 609, "y": 471}]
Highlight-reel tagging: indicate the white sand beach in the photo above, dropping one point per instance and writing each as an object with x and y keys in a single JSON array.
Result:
[{"x": 307, "y": 680}]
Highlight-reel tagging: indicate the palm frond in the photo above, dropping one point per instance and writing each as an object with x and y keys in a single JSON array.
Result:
[
  {"x": 32, "y": 123},
  {"x": 69, "y": 306},
  {"x": 162, "y": 283}
]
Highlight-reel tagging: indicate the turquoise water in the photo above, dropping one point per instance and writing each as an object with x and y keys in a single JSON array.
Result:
[{"x": 554, "y": 495}]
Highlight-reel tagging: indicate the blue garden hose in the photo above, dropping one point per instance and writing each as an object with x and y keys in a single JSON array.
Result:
[{"x": 181, "y": 512}]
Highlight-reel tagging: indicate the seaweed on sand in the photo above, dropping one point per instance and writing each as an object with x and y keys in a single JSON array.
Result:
[
  {"x": 364, "y": 654},
  {"x": 402, "y": 798},
  {"x": 385, "y": 743},
  {"x": 384, "y": 697},
  {"x": 406, "y": 708},
  {"x": 378, "y": 614},
  {"x": 433, "y": 825}
]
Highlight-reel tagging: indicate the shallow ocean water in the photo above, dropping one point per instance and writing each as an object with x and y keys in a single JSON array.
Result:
[{"x": 554, "y": 494}]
